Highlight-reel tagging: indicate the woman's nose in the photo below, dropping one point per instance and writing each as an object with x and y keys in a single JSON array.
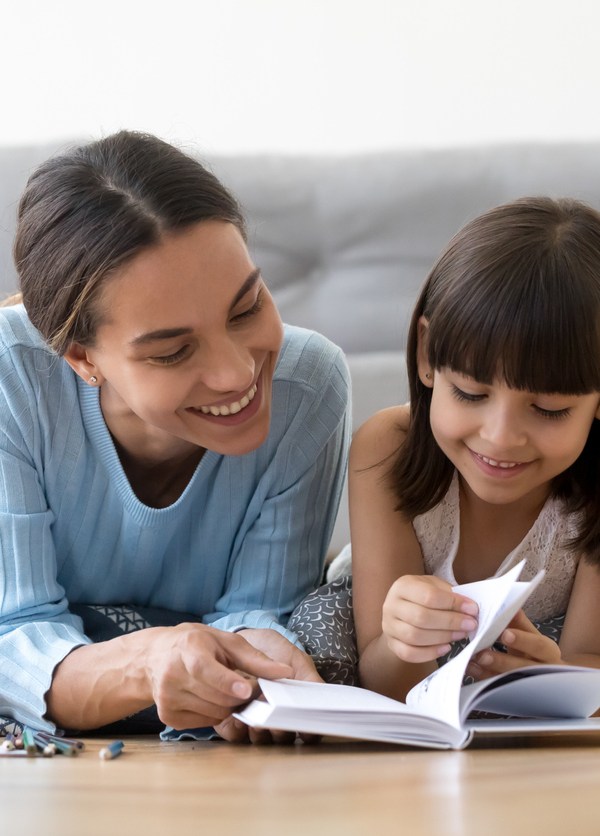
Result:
[{"x": 227, "y": 367}]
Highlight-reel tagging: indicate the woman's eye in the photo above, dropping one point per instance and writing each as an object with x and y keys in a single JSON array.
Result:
[
  {"x": 460, "y": 395},
  {"x": 552, "y": 414},
  {"x": 170, "y": 359},
  {"x": 252, "y": 311}
]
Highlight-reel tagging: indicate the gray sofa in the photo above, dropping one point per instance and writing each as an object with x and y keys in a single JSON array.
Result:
[{"x": 345, "y": 242}]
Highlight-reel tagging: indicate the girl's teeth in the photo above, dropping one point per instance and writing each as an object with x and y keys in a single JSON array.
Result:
[
  {"x": 232, "y": 408},
  {"x": 494, "y": 463}
]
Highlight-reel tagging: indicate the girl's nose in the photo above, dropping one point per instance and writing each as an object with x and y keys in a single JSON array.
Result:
[{"x": 503, "y": 429}]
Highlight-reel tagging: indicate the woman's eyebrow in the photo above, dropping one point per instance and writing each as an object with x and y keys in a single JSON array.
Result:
[
  {"x": 249, "y": 283},
  {"x": 170, "y": 333}
]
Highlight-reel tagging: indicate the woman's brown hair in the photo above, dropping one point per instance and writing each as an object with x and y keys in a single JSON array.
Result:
[
  {"x": 515, "y": 296},
  {"x": 86, "y": 212}
]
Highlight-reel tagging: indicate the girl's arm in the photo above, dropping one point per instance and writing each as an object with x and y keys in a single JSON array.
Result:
[
  {"x": 580, "y": 639},
  {"x": 404, "y": 619}
]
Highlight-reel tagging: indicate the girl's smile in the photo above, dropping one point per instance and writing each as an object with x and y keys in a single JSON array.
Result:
[{"x": 498, "y": 469}]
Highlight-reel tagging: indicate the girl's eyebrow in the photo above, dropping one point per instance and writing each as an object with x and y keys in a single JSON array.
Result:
[{"x": 170, "y": 333}]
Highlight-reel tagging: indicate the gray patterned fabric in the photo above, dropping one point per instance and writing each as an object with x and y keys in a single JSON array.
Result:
[{"x": 324, "y": 624}]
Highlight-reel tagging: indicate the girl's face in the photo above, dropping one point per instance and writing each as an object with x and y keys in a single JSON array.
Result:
[
  {"x": 507, "y": 444},
  {"x": 187, "y": 348}
]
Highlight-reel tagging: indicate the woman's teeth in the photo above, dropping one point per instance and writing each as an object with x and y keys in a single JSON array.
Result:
[{"x": 232, "y": 408}]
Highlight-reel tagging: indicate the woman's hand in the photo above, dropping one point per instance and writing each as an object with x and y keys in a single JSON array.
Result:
[
  {"x": 422, "y": 615},
  {"x": 525, "y": 646},
  {"x": 277, "y": 647},
  {"x": 199, "y": 675}
]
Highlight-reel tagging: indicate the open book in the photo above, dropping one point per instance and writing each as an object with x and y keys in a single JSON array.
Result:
[{"x": 437, "y": 709}]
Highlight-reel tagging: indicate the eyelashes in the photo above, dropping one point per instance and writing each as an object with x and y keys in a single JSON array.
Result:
[
  {"x": 183, "y": 352},
  {"x": 550, "y": 414}
]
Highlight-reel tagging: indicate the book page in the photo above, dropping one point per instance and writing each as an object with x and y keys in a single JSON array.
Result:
[{"x": 499, "y": 599}]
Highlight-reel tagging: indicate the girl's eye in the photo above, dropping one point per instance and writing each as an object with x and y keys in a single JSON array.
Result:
[
  {"x": 552, "y": 414},
  {"x": 465, "y": 396},
  {"x": 171, "y": 359},
  {"x": 256, "y": 307}
]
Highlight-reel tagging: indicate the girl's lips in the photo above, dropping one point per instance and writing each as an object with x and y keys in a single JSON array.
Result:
[
  {"x": 248, "y": 405},
  {"x": 497, "y": 468}
]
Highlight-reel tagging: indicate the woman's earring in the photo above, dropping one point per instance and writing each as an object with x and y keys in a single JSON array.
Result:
[{"x": 93, "y": 380}]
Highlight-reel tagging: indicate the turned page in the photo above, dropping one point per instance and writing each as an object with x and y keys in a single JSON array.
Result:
[{"x": 499, "y": 599}]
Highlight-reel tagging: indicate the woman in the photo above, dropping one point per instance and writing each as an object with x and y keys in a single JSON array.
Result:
[{"x": 166, "y": 445}]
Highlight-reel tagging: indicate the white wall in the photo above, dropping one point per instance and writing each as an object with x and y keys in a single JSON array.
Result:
[{"x": 300, "y": 75}]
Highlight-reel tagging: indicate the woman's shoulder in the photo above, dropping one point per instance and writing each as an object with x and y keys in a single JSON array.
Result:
[
  {"x": 310, "y": 358},
  {"x": 17, "y": 331},
  {"x": 380, "y": 436}
]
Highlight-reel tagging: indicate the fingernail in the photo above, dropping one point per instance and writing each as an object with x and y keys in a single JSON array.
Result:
[
  {"x": 469, "y": 608},
  {"x": 508, "y": 637},
  {"x": 468, "y": 624},
  {"x": 485, "y": 659},
  {"x": 241, "y": 689}
]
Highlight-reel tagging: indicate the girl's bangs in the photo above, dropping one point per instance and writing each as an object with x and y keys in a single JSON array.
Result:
[{"x": 534, "y": 335}]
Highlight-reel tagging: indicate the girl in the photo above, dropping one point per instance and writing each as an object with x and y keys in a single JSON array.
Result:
[
  {"x": 170, "y": 453},
  {"x": 499, "y": 459}
]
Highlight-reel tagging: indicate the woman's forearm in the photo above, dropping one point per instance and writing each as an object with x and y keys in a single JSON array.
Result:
[
  {"x": 195, "y": 674},
  {"x": 99, "y": 683}
]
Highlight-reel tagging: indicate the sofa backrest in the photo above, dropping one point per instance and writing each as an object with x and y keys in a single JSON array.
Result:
[{"x": 345, "y": 242}]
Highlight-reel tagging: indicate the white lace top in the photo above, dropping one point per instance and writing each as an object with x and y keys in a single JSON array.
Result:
[{"x": 438, "y": 532}]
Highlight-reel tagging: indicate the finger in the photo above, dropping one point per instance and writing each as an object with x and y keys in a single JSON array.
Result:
[
  {"x": 233, "y": 730},
  {"x": 531, "y": 645},
  {"x": 250, "y": 660},
  {"x": 406, "y": 631},
  {"x": 412, "y": 653},
  {"x": 423, "y": 619},
  {"x": 521, "y": 622},
  {"x": 434, "y": 594},
  {"x": 492, "y": 662},
  {"x": 260, "y": 737}
]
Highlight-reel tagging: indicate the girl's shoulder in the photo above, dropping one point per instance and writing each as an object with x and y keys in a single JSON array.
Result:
[{"x": 380, "y": 436}]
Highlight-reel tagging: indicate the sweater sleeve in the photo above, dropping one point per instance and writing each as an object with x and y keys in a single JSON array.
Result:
[
  {"x": 280, "y": 558},
  {"x": 36, "y": 629}
]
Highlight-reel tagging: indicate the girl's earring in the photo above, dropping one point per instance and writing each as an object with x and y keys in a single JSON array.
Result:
[
  {"x": 93, "y": 380},
  {"x": 428, "y": 375}
]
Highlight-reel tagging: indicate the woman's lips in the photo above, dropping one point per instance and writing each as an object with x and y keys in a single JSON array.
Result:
[
  {"x": 232, "y": 412},
  {"x": 232, "y": 408}
]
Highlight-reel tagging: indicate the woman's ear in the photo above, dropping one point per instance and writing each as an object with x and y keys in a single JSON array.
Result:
[
  {"x": 77, "y": 357},
  {"x": 425, "y": 370}
]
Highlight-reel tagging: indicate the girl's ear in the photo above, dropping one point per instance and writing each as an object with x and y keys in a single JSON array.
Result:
[
  {"x": 77, "y": 357},
  {"x": 425, "y": 370}
]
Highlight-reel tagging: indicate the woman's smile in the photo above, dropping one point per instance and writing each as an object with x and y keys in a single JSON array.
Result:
[{"x": 232, "y": 412}]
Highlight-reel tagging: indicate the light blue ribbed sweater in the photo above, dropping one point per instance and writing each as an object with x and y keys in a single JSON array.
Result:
[{"x": 241, "y": 547}]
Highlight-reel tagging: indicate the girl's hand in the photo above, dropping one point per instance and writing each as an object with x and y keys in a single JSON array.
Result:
[
  {"x": 198, "y": 675},
  {"x": 277, "y": 647},
  {"x": 422, "y": 615},
  {"x": 525, "y": 646}
]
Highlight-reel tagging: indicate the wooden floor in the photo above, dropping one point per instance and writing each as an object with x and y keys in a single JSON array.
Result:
[{"x": 543, "y": 786}]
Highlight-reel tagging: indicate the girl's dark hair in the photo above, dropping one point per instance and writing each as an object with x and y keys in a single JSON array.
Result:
[
  {"x": 515, "y": 296},
  {"x": 86, "y": 212}
]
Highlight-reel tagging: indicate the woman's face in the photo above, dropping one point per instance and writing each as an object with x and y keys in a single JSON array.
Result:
[{"x": 187, "y": 347}]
